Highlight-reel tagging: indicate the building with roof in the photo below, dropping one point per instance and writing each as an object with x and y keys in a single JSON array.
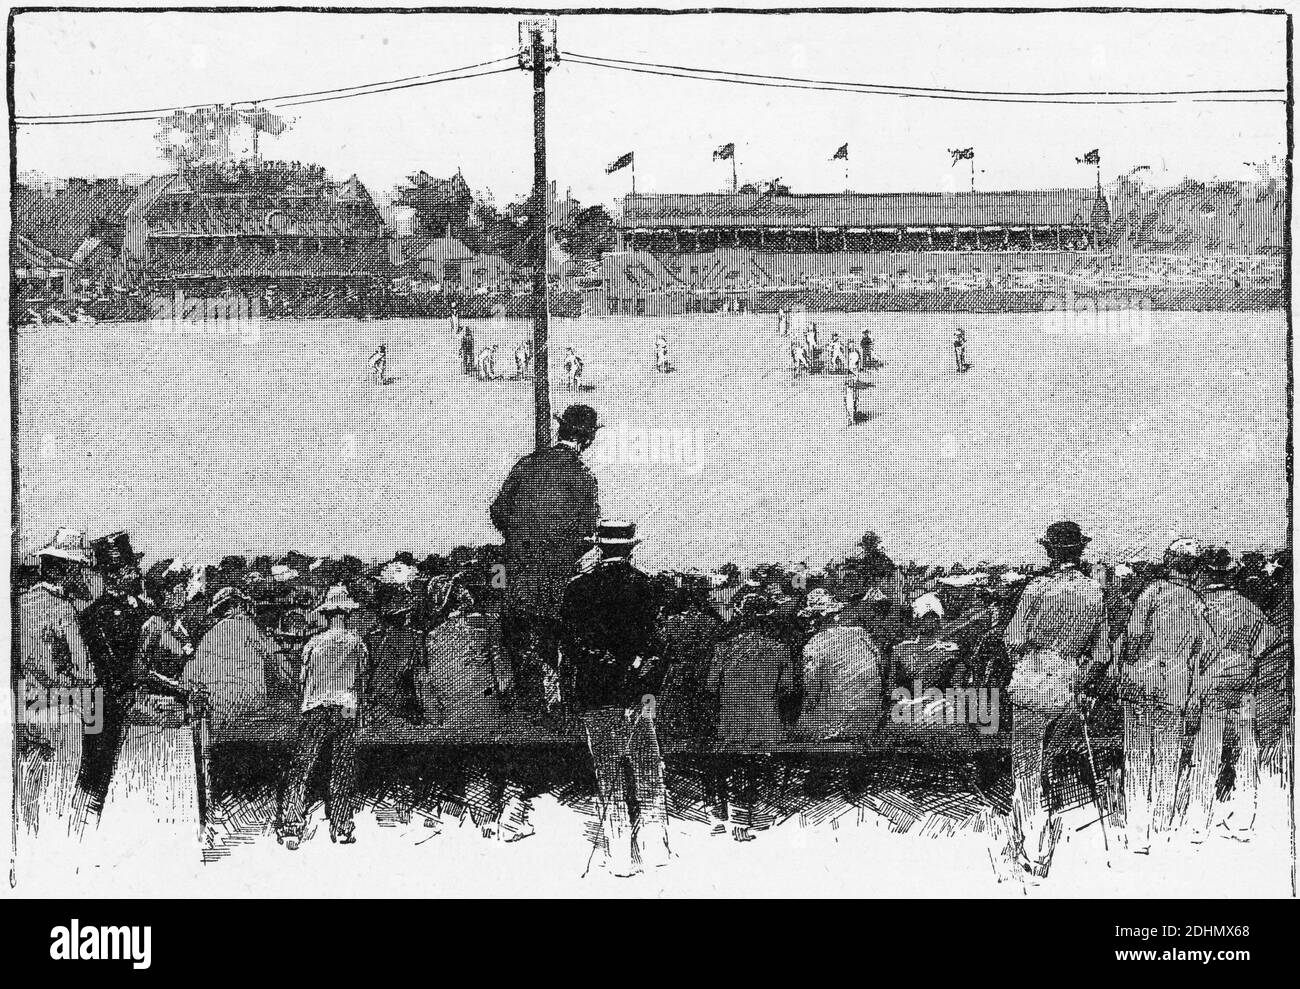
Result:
[
  {"x": 1044, "y": 219},
  {"x": 280, "y": 226}
]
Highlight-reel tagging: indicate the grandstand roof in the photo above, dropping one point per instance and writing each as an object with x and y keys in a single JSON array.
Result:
[{"x": 1043, "y": 207}]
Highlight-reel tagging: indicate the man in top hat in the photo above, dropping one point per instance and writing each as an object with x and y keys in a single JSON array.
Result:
[
  {"x": 111, "y": 627},
  {"x": 1058, "y": 642},
  {"x": 333, "y": 662},
  {"x": 546, "y": 508},
  {"x": 1169, "y": 643},
  {"x": 1233, "y": 687},
  {"x": 613, "y": 668},
  {"x": 55, "y": 668}
]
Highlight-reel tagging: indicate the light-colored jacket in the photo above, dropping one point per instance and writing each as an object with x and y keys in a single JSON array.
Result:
[
  {"x": 1169, "y": 646},
  {"x": 1058, "y": 636},
  {"x": 842, "y": 670}
]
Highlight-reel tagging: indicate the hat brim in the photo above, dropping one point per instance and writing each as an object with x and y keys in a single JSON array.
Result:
[
  {"x": 66, "y": 554},
  {"x": 598, "y": 541},
  {"x": 325, "y": 609},
  {"x": 1065, "y": 543}
]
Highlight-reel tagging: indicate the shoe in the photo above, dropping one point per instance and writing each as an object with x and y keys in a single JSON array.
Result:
[{"x": 342, "y": 837}]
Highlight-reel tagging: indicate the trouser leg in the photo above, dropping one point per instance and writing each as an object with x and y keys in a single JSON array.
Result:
[
  {"x": 58, "y": 796},
  {"x": 1166, "y": 758},
  {"x": 343, "y": 772},
  {"x": 1203, "y": 774},
  {"x": 650, "y": 829},
  {"x": 313, "y": 729},
  {"x": 607, "y": 738},
  {"x": 1137, "y": 774},
  {"x": 1033, "y": 825},
  {"x": 1241, "y": 803}
]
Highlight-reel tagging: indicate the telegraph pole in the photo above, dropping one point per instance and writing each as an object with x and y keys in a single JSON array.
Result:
[{"x": 537, "y": 46}]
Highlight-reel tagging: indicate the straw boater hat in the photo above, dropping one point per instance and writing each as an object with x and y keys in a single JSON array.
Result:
[
  {"x": 68, "y": 544},
  {"x": 337, "y": 598},
  {"x": 621, "y": 534},
  {"x": 1185, "y": 551}
]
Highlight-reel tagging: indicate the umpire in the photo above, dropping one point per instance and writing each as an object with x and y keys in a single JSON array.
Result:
[{"x": 546, "y": 510}]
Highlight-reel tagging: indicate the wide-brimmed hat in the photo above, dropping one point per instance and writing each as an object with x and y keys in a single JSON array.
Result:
[
  {"x": 337, "y": 598},
  {"x": 927, "y": 604},
  {"x": 609, "y": 533},
  {"x": 1185, "y": 549},
  {"x": 68, "y": 544},
  {"x": 114, "y": 551},
  {"x": 226, "y": 597},
  {"x": 398, "y": 572},
  {"x": 1064, "y": 535},
  {"x": 820, "y": 602},
  {"x": 580, "y": 419}
]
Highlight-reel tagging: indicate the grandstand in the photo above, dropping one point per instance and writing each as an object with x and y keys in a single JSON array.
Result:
[{"x": 681, "y": 253}]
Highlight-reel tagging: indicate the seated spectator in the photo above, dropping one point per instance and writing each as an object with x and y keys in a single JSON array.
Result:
[
  {"x": 458, "y": 689},
  {"x": 396, "y": 652},
  {"x": 752, "y": 676},
  {"x": 842, "y": 676},
  {"x": 689, "y": 631},
  {"x": 926, "y": 658},
  {"x": 231, "y": 660}
]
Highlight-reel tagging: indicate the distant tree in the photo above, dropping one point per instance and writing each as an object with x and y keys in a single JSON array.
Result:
[
  {"x": 438, "y": 204},
  {"x": 589, "y": 234}
]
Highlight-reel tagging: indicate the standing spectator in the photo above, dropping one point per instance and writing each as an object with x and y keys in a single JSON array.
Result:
[
  {"x": 111, "y": 628},
  {"x": 544, "y": 510},
  {"x": 1058, "y": 642},
  {"x": 332, "y": 665},
  {"x": 155, "y": 778},
  {"x": 609, "y": 639},
  {"x": 53, "y": 664},
  {"x": 1168, "y": 644},
  {"x": 1229, "y": 712}
]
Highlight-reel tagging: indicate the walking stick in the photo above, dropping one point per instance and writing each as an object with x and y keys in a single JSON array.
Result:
[{"x": 1103, "y": 812}]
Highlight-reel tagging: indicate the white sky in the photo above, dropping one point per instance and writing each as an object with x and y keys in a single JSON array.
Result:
[{"x": 82, "y": 62}]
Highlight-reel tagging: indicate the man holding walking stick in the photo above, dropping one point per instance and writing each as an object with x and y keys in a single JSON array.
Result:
[{"x": 1059, "y": 642}]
